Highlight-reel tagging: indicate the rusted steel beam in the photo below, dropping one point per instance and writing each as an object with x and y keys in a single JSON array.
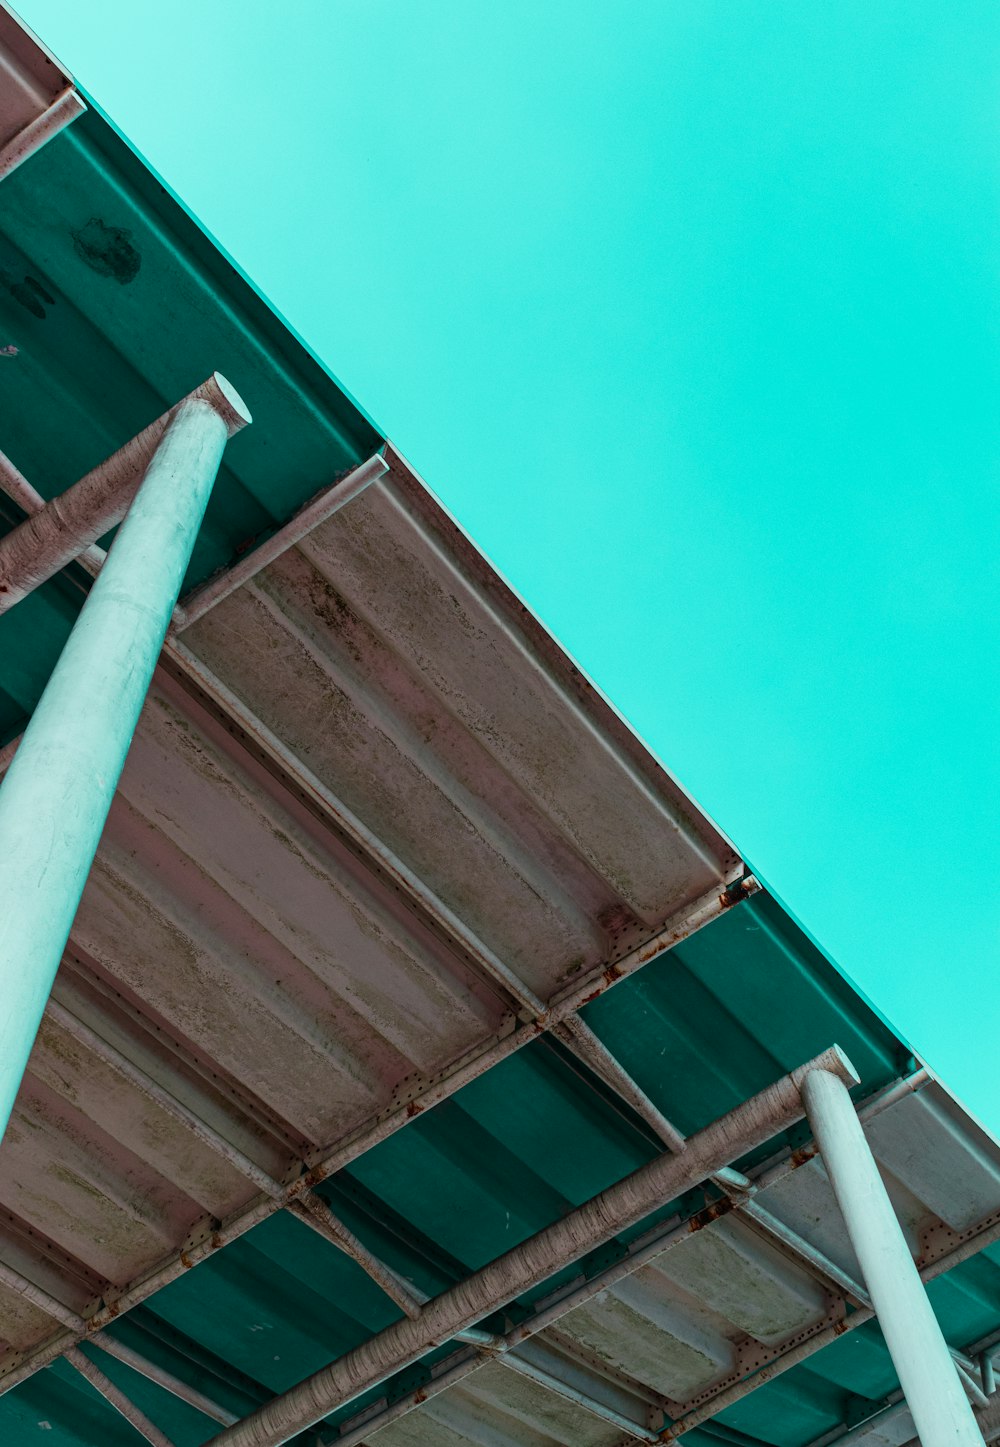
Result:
[
  {"x": 315, "y": 1212},
  {"x": 601, "y": 1397},
  {"x": 613, "y": 1210},
  {"x": 978, "y": 1241},
  {"x": 330, "y": 807},
  {"x": 475, "y": 1064},
  {"x": 579, "y": 1038},
  {"x": 183, "y": 1391},
  {"x": 309, "y": 1207},
  {"x": 487, "y": 1346},
  {"x": 63, "y": 528},
  {"x": 42, "y": 1299},
  {"x": 29, "y": 500},
  {"x": 802, "y": 1253},
  {"x": 444, "y": 1374},
  {"x": 117, "y": 1398},
  {"x": 868, "y": 1110},
  {"x": 65, "y": 108},
  {"x": 199, "y": 601},
  {"x": 642, "y": 1251}
]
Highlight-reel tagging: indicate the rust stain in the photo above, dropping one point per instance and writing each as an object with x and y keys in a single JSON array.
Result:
[
  {"x": 705, "y": 1217},
  {"x": 419, "y": 1395},
  {"x": 414, "y": 1108},
  {"x": 186, "y": 1261},
  {"x": 802, "y": 1156},
  {"x": 737, "y": 892}
]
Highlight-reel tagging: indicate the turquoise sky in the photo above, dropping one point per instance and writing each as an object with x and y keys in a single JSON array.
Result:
[{"x": 689, "y": 311}]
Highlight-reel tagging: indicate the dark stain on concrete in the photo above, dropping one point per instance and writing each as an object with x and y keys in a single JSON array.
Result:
[
  {"x": 108, "y": 250},
  {"x": 30, "y": 294}
]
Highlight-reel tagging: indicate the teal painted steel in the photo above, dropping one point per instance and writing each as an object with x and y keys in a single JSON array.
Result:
[
  {"x": 119, "y": 305},
  {"x": 128, "y": 305},
  {"x": 57, "y": 792}
]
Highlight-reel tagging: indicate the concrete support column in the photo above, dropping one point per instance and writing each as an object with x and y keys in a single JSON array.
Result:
[
  {"x": 927, "y": 1375},
  {"x": 57, "y": 792}
]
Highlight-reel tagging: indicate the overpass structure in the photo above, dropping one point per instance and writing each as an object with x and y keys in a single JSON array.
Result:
[{"x": 420, "y": 1066}]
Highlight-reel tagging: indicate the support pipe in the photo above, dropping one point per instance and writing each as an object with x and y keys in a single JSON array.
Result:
[
  {"x": 622, "y": 1205},
  {"x": 935, "y": 1396},
  {"x": 67, "y": 526},
  {"x": 57, "y": 792}
]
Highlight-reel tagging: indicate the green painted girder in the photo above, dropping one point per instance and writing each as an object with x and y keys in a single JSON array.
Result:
[{"x": 118, "y": 305}]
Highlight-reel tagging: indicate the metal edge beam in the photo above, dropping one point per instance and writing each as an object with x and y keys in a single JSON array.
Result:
[
  {"x": 468, "y": 1068},
  {"x": 65, "y": 108},
  {"x": 41, "y": 1299},
  {"x": 411, "y": 498},
  {"x": 199, "y": 601},
  {"x": 589, "y": 1048},
  {"x": 605, "y": 1215},
  {"x": 165, "y": 1379},
  {"x": 66, "y": 526},
  {"x": 573, "y": 1031},
  {"x": 641, "y": 1251},
  {"x": 332, "y": 811},
  {"x": 784, "y": 1361},
  {"x": 146, "y": 1086},
  {"x": 315, "y": 1213}
]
